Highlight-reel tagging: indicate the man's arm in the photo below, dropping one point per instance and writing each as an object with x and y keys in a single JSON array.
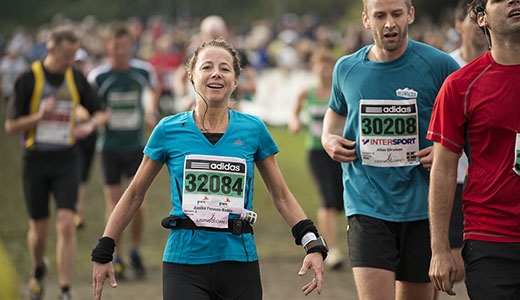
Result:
[
  {"x": 442, "y": 191},
  {"x": 337, "y": 147},
  {"x": 26, "y": 122}
]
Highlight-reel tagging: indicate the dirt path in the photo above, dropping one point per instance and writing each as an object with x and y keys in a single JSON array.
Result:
[{"x": 279, "y": 279}]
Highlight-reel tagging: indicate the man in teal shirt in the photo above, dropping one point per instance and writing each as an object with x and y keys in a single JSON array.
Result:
[{"x": 380, "y": 107}]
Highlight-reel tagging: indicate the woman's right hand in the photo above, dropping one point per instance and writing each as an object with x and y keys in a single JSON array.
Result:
[{"x": 100, "y": 272}]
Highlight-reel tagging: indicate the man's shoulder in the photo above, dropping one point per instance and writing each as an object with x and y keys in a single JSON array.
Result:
[
  {"x": 78, "y": 75},
  {"x": 140, "y": 65},
  {"x": 99, "y": 71},
  {"x": 345, "y": 63},
  {"x": 26, "y": 77},
  {"x": 355, "y": 57},
  {"x": 470, "y": 72},
  {"x": 428, "y": 52}
]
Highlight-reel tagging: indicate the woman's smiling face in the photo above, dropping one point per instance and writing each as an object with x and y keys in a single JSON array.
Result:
[{"x": 213, "y": 75}]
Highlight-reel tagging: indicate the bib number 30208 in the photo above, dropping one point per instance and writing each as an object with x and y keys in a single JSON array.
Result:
[{"x": 388, "y": 131}]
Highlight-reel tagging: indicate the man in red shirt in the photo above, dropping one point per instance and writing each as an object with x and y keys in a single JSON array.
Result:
[{"x": 478, "y": 109}]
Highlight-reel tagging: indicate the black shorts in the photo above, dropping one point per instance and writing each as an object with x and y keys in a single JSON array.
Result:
[
  {"x": 43, "y": 173},
  {"x": 217, "y": 281},
  {"x": 492, "y": 270},
  {"x": 328, "y": 174},
  {"x": 403, "y": 248},
  {"x": 457, "y": 219},
  {"x": 114, "y": 164},
  {"x": 86, "y": 147}
]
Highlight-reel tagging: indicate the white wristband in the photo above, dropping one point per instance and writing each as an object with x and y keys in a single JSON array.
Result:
[{"x": 307, "y": 238}]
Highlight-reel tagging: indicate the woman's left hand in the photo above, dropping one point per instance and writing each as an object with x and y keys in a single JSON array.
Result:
[{"x": 313, "y": 261}]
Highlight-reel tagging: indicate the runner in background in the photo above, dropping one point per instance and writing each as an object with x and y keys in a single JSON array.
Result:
[
  {"x": 376, "y": 124},
  {"x": 122, "y": 84},
  {"x": 325, "y": 171},
  {"x": 43, "y": 109},
  {"x": 86, "y": 146},
  {"x": 213, "y": 27}
]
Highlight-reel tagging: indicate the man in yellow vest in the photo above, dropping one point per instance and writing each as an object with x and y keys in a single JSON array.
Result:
[{"x": 43, "y": 109}]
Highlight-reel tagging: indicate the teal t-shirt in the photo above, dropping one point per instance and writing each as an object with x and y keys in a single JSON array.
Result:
[
  {"x": 122, "y": 93},
  {"x": 176, "y": 137},
  {"x": 389, "y": 100}
]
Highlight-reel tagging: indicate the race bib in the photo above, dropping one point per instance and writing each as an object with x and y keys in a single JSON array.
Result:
[
  {"x": 516, "y": 167},
  {"x": 389, "y": 132},
  {"x": 56, "y": 128},
  {"x": 213, "y": 188},
  {"x": 125, "y": 114}
]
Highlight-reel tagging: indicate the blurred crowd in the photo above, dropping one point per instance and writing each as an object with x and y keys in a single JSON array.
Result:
[{"x": 277, "y": 50}]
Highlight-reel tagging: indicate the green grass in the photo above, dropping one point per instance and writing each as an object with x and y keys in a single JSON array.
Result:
[{"x": 273, "y": 236}]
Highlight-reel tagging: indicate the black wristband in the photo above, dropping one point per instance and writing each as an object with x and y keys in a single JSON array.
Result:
[
  {"x": 104, "y": 250},
  {"x": 318, "y": 249},
  {"x": 301, "y": 228}
]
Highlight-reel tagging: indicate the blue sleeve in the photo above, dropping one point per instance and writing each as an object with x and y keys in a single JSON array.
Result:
[
  {"x": 337, "y": 100},
  {"x": 155, "y": 146},
  {"x": 266, "y": 144}
]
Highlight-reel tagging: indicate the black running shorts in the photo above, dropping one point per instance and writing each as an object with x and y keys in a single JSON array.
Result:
[
  {"x": 55, "y": 172},
  {"x": 328, "y": 174},
  {"x": 216, "y": 281},
  {"x": 400, "y": 247},
  {"x": 115, "y": 164},
  {"x": 492, "y": 270}
]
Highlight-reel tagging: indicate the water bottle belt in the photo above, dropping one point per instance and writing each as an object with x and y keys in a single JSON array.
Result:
[{"x": 236, "y": 225}]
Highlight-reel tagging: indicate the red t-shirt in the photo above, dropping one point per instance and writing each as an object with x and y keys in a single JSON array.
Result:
[{"x": 479, "y": 106}]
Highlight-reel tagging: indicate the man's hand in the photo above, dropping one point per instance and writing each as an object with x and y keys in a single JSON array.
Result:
[
  {"x": 82, "y": 130},
  {"x": 100, "y": 272},
  {"x": 339, "y": 148},
  {"x": 426, "y": 157},
  {"x": 47, "y": 107},
  {"x": 443, "y": 271},
  {"x": 313, "y": 261}
]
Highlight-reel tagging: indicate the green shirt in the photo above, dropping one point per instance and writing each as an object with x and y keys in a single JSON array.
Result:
[
  {"x": 123, "y": 93},
  {"x": 315, "y": 110}
]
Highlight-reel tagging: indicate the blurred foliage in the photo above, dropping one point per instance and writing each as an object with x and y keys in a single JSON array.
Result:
[{"x": 33, "y": 13}]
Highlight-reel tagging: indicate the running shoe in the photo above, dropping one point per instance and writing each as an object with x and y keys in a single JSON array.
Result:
[
  {"x": 79, "y": 221},
  {"x": 137, "y": 264},
  {"x": 119, "y": 268},
  {"x": 35, "y": 285},
  {"x": 35, "y": 288},
  {"x": 64, "y": 296},
  {"x": 334, "y": 259}
]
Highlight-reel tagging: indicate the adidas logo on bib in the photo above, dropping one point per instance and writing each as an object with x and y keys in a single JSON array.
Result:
[{"x": 238, "y": 142}]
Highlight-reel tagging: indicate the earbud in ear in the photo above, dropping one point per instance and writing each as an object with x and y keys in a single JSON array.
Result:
[{"x": 192, "y": 82}]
